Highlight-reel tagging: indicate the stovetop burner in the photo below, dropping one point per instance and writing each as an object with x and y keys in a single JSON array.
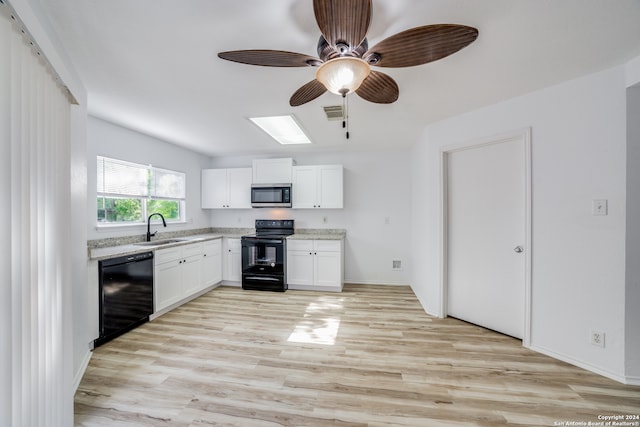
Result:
[{"x": 273, "y": 228}]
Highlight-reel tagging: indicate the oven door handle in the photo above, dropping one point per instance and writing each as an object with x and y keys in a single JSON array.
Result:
[
  {"x": 266, "y": 279},
  {"x": 254, "y": 241}
]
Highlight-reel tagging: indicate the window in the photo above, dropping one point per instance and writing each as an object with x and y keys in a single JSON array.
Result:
[{"x": 129, "y": 192}]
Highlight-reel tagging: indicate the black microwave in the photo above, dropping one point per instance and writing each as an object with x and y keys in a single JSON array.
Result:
[{"x": 271, "y": 195}]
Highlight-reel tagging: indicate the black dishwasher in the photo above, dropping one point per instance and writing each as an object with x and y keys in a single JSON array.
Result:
[{"x": 126, "y": 294}]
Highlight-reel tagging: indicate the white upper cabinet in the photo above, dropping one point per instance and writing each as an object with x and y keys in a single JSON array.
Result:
[
  {"x": 214, "y": 188},
  {"x": 304, "y": 187},
  {"x": 239, "y": 188},
  {"x": 317, "y": 187},
  {"x": 272, "y": 171},
  {"x": 226, "y": 188}
]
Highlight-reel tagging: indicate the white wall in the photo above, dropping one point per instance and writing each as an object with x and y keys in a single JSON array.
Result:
[
  {"x": 578, "y": 267},
  {"x": 78, "y": 254},
  {"x": 376, "y": 186},
  {"x": 632, "y": 72},
  {"x": 110, "y": 140},
  {"x": 632, "y": 298}
]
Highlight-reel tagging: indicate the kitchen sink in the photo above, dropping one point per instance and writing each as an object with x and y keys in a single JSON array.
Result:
[{"x": 159, "y": 242}]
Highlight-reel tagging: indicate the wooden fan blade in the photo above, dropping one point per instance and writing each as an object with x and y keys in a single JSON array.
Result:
[
  {"x": 379, "y": 88},
  {"x": 420, "y": 45},
  {"x": 307, "y": 93},
  {"x": 343, "y": 21},
  {"x": 269, "y": 58}
]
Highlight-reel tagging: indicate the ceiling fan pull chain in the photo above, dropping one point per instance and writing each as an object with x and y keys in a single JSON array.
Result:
[{"x": 345, "y": 114}]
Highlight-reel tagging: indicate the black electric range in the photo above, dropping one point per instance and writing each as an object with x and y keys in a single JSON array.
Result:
[{"x": 264, "y": 255}]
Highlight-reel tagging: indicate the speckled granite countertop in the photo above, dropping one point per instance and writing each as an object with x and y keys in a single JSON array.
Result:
[
  {"x": 121, "y": 246},
  {"x": 318, "y": 234},
  {"x": 129, "y": 245},
  {"x": 97, "y": 254}
]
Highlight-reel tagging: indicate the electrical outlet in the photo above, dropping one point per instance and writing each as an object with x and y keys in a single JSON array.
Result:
[
  {"x": 597, "y": 338},
  {"x": 599, "y": 207},
  {"x": 396, "y": 265}
]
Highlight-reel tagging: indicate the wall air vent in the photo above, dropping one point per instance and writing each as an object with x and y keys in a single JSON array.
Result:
[{"x": 334, "y": 112}]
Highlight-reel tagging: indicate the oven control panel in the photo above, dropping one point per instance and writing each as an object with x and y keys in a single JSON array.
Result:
[{"x": 274, "y": 223}]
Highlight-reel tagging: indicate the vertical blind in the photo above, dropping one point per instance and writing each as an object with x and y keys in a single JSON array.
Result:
[{"x": 35, "y": 277}]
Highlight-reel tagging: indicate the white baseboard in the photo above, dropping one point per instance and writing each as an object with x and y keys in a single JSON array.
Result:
[
  {"x": 229, "y": 283},
  {"x": 314, "y": 288},
  {"x": 377, "y": 282},
  {"x": 183, "y": 301},
  {"x": 81, "y": 370},
  {"x": 584, "y": 365},
  {"x": 632, "y": 380}
]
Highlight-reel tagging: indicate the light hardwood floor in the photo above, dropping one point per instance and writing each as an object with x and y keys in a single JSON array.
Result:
[{"x": 369, "y": 356}]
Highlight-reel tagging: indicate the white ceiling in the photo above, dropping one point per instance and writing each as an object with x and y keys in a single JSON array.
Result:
[{"x": 152, "y": 65}]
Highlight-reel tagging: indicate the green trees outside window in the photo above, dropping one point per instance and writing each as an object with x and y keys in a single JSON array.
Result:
[{"x": 129, "y": 192}]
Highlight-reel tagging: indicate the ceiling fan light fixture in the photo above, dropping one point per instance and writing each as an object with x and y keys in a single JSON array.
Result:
[{"x": 343, "y": 75}]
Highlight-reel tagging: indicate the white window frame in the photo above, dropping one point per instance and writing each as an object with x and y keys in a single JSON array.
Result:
[{"x": 149, "y": 192}]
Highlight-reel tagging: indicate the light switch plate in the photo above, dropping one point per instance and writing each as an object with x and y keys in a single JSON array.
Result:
[{"x": 600, "y": 207}]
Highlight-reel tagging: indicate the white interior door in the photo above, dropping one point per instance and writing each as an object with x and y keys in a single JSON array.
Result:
[{"x": 486, "y": 235}]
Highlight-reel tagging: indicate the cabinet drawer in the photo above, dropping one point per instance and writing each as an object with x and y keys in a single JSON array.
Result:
[
  {"x": 327, "y": 245},
  {"x": 166, "y": 255},
  {"x": 300, "y": 245},
  {"x": 192, "y": 249}
]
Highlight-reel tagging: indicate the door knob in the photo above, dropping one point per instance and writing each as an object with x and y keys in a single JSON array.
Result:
[{"x": 518, "y": 249}]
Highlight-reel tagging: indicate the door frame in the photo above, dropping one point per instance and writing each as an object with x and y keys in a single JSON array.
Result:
[{"x": 523, "y": 135}]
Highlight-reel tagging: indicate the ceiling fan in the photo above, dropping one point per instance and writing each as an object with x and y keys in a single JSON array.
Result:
[{"x": 345, "y": 59}]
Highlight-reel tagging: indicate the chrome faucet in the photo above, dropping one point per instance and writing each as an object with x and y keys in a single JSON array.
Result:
[{"x": 149, "y": 233}]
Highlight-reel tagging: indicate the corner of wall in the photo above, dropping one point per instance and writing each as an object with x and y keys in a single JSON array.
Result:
[
  {"x": 425, "y": 240},
  {"x": 632, "y": 72},
  {"x": 632, "y": 243},
  {"x": 79, "y": 373}
]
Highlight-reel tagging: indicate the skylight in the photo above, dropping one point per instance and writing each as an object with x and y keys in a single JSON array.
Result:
[{"x": 284, "y": 129}]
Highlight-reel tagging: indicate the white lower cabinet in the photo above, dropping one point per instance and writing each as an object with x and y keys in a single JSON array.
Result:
[
  {"x": 211, "y": 262},
  {"x": 191, "y": 275},
  {"x": 177, "y": 273},
  {"x": 315, "y": 264},
  {"x": 183, "y": 271},
  {"x": 232, "y": 260}
]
